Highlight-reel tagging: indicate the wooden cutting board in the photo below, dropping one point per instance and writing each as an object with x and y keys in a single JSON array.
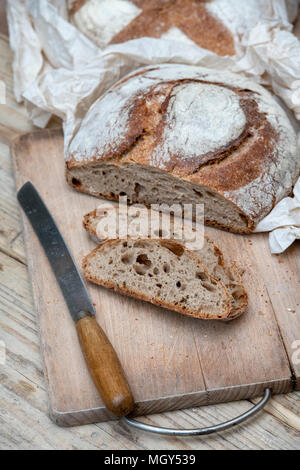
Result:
[{"x": 171, "y": 361}]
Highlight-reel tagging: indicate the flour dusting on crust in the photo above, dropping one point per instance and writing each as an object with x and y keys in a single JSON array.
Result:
[
  {"x": 200, "y": 119},
  {"x": 106, "y": 122},
  {"x": 101, "y": 20},
  {"x": 277, "y": 179}
]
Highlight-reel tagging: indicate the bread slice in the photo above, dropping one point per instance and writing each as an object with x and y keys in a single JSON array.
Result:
[
  {"x": 163, "y": 272},
  {"x": 210, "y": 255}
]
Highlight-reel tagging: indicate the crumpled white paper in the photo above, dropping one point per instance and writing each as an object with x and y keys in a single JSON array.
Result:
[
  {"x": 283, "y": 222},
  {"x": 26, "y": 46},
  {"x": 60, "y": 71},
  {"x": 275, "y": 52},
  {"x": 63, "y": 45}
]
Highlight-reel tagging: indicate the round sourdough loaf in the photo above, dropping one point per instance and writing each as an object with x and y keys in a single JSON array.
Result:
[{"x": 174, "y": 134}]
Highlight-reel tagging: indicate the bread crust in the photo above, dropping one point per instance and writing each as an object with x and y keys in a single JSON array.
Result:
[
  {"x": 252, "y": 170},
  {"x": 189, "y": 16},
  {"x": 75, "y": 5},
  {"x": 154, "y": 301},
  {"x": 232, "y": 270},
  {"x": 157, "y": 17},
  {"x": 238, "y": 283}
]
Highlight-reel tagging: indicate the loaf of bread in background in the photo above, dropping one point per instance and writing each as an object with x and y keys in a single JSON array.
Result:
[
  {"x": 114, "y": 21},
  {"x": 215, "y": 25}
]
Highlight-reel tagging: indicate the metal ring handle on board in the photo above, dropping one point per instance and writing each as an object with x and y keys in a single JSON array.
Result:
[{"x": 201, "y": 431}]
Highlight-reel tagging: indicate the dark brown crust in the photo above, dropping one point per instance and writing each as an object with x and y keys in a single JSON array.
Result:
[
  {"x": 248, "y": 158},
  {"x": 237, "y": 312},
  {"x": 86, "y": 222},
  {"x": 249, "y": 153},
  {"x": 160, "y": 303},
  {"x": 245, "y": 231},
  {"x": 257, "y": 131},
  {"x": 190, "y": 16},
  {"x": 76, "y": 5}
]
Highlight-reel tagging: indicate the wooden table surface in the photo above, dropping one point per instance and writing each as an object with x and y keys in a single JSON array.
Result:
[{"x": 24, "y": 421}]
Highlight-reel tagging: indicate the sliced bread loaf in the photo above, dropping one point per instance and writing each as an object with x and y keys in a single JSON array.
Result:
[
  {"x": 175, "y": 134},
  {"x": 210, "y": 255},
  {"x": 162, "y": 272}
]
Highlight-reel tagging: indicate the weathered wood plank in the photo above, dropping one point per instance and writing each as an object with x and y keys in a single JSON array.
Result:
[
  {"x": 287, "y": 416},
  {"x": 25, "y": 425},
  {"x": 290, "y": 402},
  {"x": 277, "y": 282},
  {"x": 3, "y": 22},
  {"x": 11, "y": 237},
  {"x": 24, "y": 398},
  {"x": 25, "y": 364},
  {"x": 244, "y": 437}
]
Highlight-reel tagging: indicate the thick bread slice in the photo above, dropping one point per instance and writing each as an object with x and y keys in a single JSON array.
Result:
[
  {"x": 162, "y": 272},
  {"x": 210, "y": 255}
]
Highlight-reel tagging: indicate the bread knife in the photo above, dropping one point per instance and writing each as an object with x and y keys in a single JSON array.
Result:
[{"x": 102, "y": 361}]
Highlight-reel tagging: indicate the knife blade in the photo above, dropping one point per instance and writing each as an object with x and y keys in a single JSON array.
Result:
[
  {"x": 60, "y": 258},
  {"x": 101, "y": 359}
]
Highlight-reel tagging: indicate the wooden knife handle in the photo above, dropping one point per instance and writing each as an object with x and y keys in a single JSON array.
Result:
[{"x": 105, "y": 367}]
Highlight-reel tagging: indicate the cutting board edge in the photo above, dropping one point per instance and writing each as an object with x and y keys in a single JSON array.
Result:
[{"x": 174, "y": 403}]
